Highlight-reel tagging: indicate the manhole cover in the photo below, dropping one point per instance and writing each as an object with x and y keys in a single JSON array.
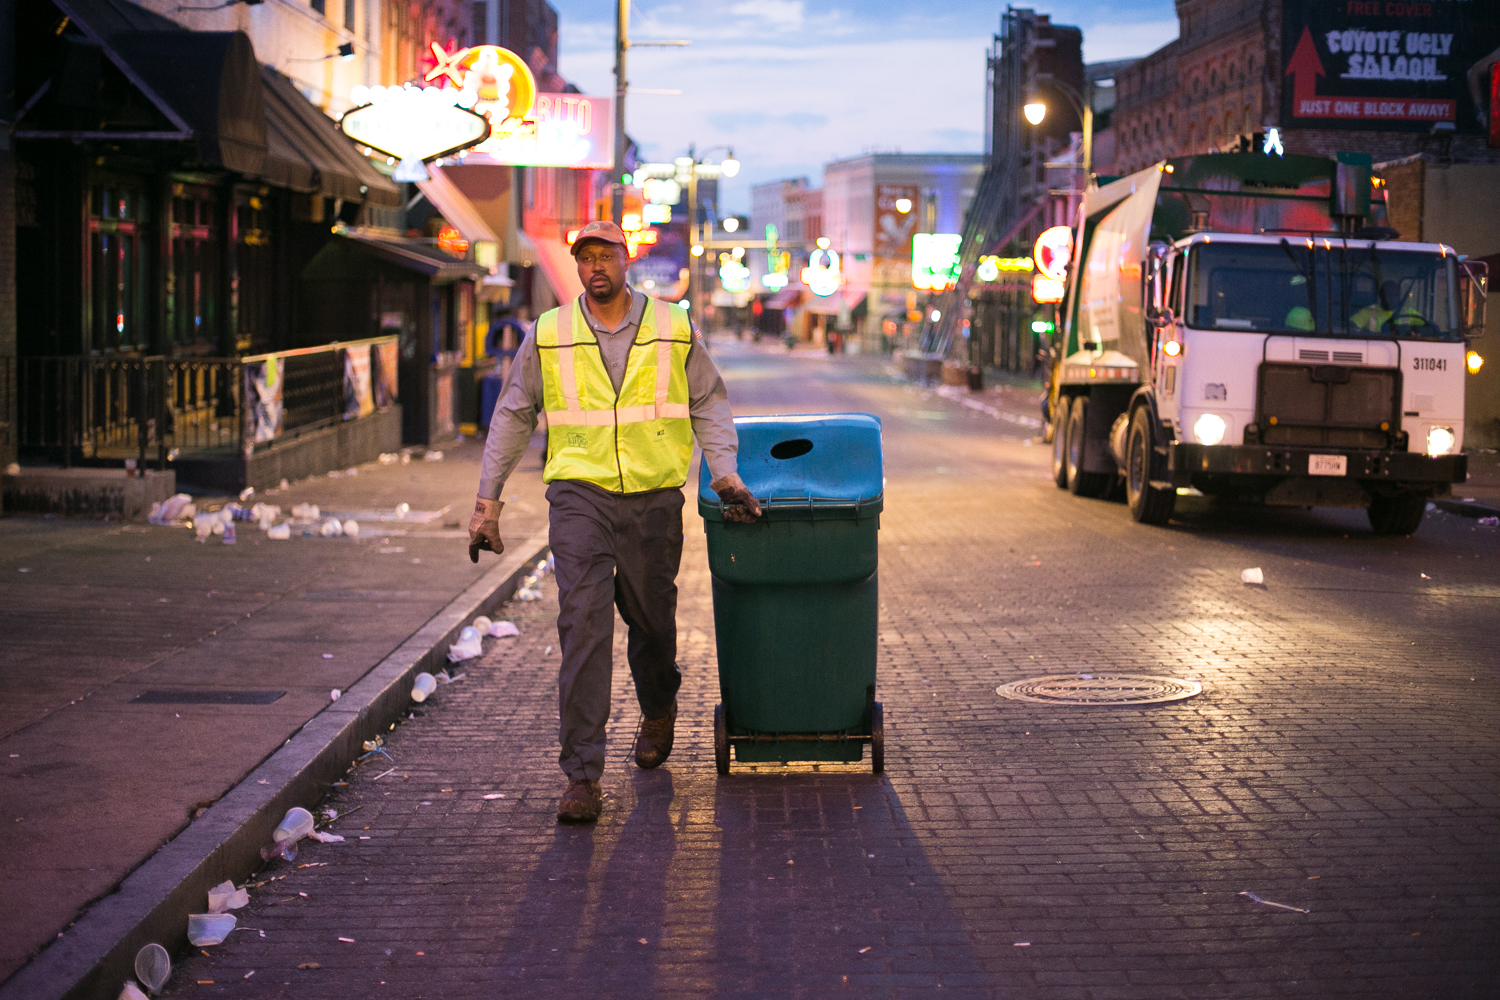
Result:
[{"x": 1099, "y": 689}]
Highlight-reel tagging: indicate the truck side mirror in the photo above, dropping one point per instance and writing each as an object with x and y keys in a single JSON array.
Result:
[
  {"x": 1154, "y": 288},
  {"x": 1473, "y": 290}
]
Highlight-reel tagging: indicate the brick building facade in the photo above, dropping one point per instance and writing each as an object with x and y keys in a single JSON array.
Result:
[{"x": 1221, "y": 81}]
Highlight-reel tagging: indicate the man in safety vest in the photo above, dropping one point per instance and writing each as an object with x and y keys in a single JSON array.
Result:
[{"x": 626, "y": 385}]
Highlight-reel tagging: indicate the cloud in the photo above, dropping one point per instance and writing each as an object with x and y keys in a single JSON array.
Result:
[
  {"x": 793, "y": 85},
  {"x": 1106, "y": 42},
  {"x": 779, "y": 14},
  {"x": 730, "y": 121}
]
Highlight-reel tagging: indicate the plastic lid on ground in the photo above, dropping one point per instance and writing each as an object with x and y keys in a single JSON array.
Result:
[{"x": 825, "y": 464}]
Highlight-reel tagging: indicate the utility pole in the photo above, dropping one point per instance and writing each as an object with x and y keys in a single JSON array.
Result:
[{"x": 622, "y": 42}]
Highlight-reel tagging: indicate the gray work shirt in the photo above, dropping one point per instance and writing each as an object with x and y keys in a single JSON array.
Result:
[{"x": 515, "y": 416}]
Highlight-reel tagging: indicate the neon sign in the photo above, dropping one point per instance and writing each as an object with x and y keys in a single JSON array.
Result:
[
  {"x": 822, "y": 275},
  {"x": 527, "y": 128},
  {"x": 414, "y": 125},
  {"x": 934, "y": 260},
  {"x": 1053, "y": 250}
]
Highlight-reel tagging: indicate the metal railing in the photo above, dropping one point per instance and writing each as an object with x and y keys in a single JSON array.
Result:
[{"x": 104, "y": 410}]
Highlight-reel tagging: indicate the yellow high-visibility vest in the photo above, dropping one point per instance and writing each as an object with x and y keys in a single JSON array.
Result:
[{"x": 641, "y": 439}]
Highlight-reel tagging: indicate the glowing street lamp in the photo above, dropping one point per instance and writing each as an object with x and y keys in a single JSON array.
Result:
[{"x": 1035, "y": 112}]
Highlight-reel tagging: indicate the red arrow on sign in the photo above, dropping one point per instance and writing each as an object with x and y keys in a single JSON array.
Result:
[{"x": 1304, "y": 68}]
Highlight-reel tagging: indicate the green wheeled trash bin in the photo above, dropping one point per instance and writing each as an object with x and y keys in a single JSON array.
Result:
[{"x": 796, "y": 600}]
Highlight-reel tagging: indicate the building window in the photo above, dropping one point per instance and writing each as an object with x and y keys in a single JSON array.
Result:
[
  {"x": 317, "y": 6},
  {"x": 193, "y": 300},
  {"x": 116, "y": 277},
  {"x": 254, "y": 282},
  {"x": 349, "y": 16}
]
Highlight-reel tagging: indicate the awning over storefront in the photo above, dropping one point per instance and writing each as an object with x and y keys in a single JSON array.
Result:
[
  {"x": 344, "y": 258},
  {"x": 831, "y": 305},
  {"x": 211, "y": 79},
  {"x": 127, "y": 75},
  {"x": 307, "y": 152},
  {"x": 788, "y": 298},
  {"x": 457, "y": 209},
  {"x": 490, "y": 189},
  {"x": 555, "y": 259}
]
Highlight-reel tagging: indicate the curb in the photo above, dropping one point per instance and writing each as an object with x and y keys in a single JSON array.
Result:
[
  {"x": 1462, "y": 509},
  {"x": 152, "y": 903}
]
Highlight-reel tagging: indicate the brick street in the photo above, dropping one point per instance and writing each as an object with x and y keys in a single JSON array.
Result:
[{"x": 1340, "y": 760}]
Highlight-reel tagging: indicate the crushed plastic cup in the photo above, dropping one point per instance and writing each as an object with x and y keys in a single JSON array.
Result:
[
  {"x": 389, "y": 458},
  {"x": 153, "y": 967},
  {"x": 469, "y": 645},
  {"x": 503, "y": 630},
  {"x": 351, "y": 528},
  {"x": 1252, "y": 576},
  {"x": 527, "y": 594},
  {"x": 423, "y": 686},
  {"x": 296, "y": 824},
  {"x": 225, "y": 897},
  {"x": 529, "y": 582},
  {"x": 432, "y": 456},
  {"x": 305, "y": 512},
  {"x": 482, "y": 625},
  {"x": 247, "y": 493},
  {"x": 206, "y": 929},
  {"x": 331, "y": 528},
  {"x": 130, "y": 991},
  {"x": 203, "y": 525},
  {"x": 279, "y": 532},
  {"x": 335, "y": 694},
  {"x": 1490, "y": 521},
  {"x": 542, "y": 569}
]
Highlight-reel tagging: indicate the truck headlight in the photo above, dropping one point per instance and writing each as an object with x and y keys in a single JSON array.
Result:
[
  {"x": 1209, "y": 429},
  {"x": 1440, "y": 441}
]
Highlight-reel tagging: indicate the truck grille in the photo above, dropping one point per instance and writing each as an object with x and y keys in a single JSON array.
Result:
[{"x": 1328, "y": 405}]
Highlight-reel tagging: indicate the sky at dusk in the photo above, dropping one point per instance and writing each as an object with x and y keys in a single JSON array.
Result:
[{"x": 793, "y": 84}]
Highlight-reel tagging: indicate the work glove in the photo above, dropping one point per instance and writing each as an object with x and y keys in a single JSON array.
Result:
[
  {"x": 739, "y": 503},
  {"x": 484, "y": 528}
]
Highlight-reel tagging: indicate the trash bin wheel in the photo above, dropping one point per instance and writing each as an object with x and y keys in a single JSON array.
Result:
[
  {"x": 877, "y": 738},
  {"x": 721, "y": 741}
]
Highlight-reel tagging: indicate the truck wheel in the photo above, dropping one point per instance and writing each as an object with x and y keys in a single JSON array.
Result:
[
  {"x": 877, "y": 738},
  {"x": 1398, "y": 515},
  {"x": 1081, "y": 483},
  {"x": 1148, "y": 504},
  {"x": 721, "y": 741},
  {"x": 1060, "y": 418}
]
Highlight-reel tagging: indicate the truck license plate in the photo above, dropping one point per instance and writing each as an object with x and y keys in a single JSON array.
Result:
[{"x": 1327, "y": 465}]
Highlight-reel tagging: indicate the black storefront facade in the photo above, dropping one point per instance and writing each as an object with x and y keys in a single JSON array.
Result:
[{"x": 171, "y": 195}]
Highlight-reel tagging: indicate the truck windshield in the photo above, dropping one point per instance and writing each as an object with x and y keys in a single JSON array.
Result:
[{"x": 1337, "y": 291}]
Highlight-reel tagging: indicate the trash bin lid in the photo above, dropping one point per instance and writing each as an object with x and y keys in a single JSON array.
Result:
[{"x": 823, "y": 465}]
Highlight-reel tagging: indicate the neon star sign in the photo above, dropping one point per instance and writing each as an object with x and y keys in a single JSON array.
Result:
[{"x": 493, "y": 81}]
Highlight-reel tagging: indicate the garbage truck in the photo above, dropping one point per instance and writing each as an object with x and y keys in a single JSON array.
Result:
[{"x": 1247, "y": 327}]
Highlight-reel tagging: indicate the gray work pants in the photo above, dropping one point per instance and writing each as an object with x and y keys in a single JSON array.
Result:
[{"x": 612, "y": 551}]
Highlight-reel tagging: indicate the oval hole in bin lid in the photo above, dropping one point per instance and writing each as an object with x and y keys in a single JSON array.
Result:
[{"x": 794, "y": 448}]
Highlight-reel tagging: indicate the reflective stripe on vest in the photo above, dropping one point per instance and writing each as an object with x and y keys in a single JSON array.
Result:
[{"x": 591, "y": 436}]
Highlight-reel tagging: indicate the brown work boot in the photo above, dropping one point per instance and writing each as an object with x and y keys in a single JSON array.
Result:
[
  {"x": 581, "y": 802},
  {"x": 654, "y": 745}
]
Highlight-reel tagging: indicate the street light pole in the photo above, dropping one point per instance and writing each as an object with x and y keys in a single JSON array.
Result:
[
  {"x": 1082, "y": 103},
  {"x": 622, "y": 42}
]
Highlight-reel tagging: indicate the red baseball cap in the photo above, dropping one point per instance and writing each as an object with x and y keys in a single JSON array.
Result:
[{"x": 606, "y": 232}]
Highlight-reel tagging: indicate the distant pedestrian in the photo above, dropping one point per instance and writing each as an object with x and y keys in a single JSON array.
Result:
[{"x": 626, "y": 385}]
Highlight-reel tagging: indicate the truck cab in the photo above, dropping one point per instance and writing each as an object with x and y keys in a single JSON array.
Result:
[{"x": 1321, "y": 366}]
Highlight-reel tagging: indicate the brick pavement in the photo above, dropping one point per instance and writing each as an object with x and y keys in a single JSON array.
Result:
[{"x": 1341, "y": 760}]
